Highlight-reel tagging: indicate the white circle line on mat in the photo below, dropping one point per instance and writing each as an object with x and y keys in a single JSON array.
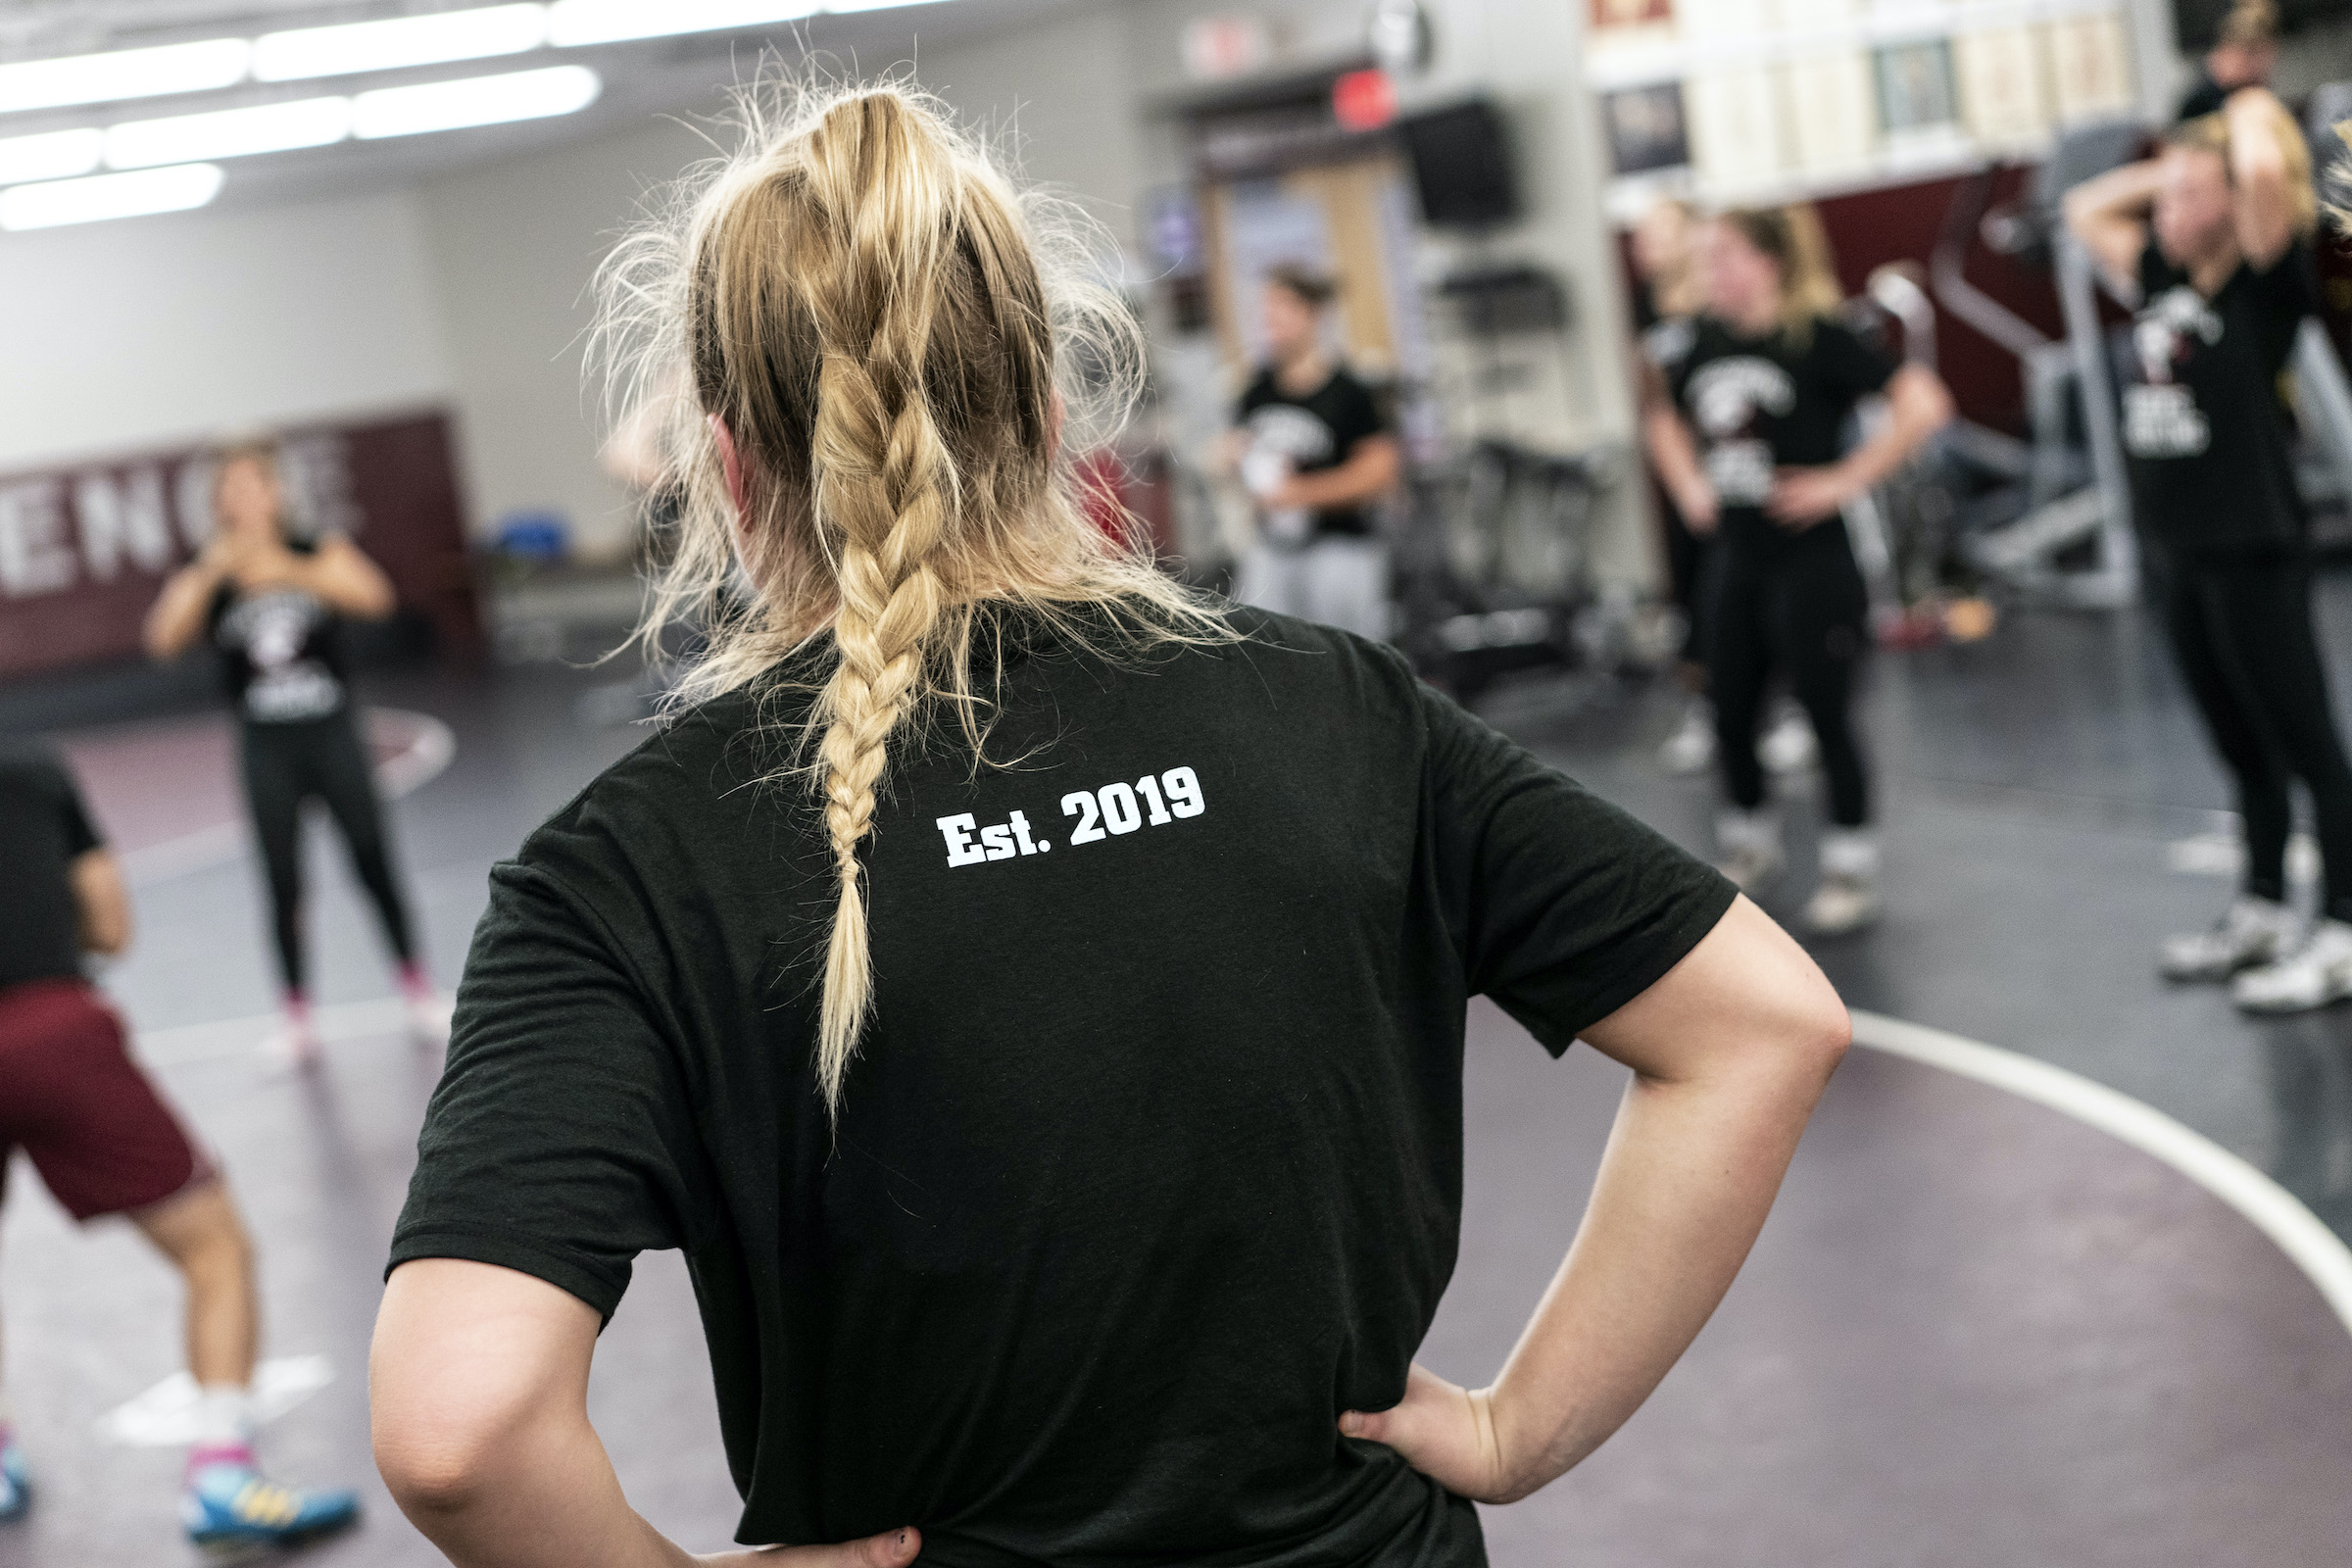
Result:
[
  {"x": 2269, "y": 1207},
  {"x": 431, "y": 745}
]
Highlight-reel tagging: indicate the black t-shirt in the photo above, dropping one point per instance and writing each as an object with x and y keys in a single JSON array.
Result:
[
  {"x": 43, "y": 831},
  {"x": 1149, "y": 1163},
  {"x": 1757, "y": 405},
  {"x": 281, "y": 658},
  {"x": 2205, "y": 96},
  {"x": 2203, "y": 430},
  {"x": 1311, "y": 433}
]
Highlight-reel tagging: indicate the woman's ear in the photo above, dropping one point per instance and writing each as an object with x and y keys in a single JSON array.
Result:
[{"x": 731, "y": 462}]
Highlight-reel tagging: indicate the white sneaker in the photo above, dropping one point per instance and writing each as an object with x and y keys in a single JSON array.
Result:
[
  {"x": 1690, "y": 749},
  {"x": 1848, "y": 899},
  {"x": 1788, "y": 746},
  {"x": 1749, "y": 843},
  {"x": 1841, "y": 904},
  {"x": 2314, "y": 975},
  {"x": 2250, "y": 931}
]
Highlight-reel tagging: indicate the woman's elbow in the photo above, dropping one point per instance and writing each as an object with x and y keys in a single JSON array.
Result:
[{"x": 435, "y": 1464}]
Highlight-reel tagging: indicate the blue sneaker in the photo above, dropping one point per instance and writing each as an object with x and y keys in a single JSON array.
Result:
[
  {"x": 231, "y": 1506},
  {"x": 15, "y": 1482}
]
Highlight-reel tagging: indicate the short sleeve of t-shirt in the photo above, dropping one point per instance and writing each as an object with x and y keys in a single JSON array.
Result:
[
  {"x": 1566, "y": 908},
  {"x": 1849, "y": 366},
  {"x": 2291, "y": 286},
  {"x": 81, "y": 835},
  {"x": 559, "y": 1142},
  {"x": 1354, "y": 415}
]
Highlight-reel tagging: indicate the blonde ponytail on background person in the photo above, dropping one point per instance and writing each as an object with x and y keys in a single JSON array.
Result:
[
  {"x": 1793, "y": 237},
  {"x": 901, "y": 353}
]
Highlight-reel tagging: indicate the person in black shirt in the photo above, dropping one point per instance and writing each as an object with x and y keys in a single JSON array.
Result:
[
  {"x": 1748, "y": 437},
  {"x": 270, "y": 603},
  {"x": 1312, "y": 450},
  {"x": 106, "y": 1144},
  {"x": 2210, "y": 243},
  {"x": 2244, "y": 53},
  {"x": 1032, "y": 996}
]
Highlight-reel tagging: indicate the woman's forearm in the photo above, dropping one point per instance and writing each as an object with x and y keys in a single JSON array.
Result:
[
  {"x": 546, "y": 1498},
  {"x": 1917, "y": 405},
  {"x": 1689, "y": 1174},
  {"x": 179, "y": 611}
]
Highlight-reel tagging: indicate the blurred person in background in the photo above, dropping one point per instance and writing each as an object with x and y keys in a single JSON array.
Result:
[
  {"x": 269, "y": 602},
  {"x": 1671, "y": 294},
  {"x": 2211, "y": 242},
  {"x": 1068, "y": 1194},
  {"x": 106, "y": 1144},
  {"x": 1313, "y": 452},
  {"x": 2244, "y": 53},
  {"x": 1746, "y": 432}
]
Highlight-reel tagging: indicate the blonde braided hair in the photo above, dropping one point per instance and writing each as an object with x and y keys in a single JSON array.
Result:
[{"x": 884, "y": 330}]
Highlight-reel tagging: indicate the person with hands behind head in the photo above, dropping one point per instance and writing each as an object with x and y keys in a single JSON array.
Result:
[
  {"x": 1031, "y": 994},
  {"x": 270, "y": 603},
  {"x": 2211, "y": 245},
  {"x": 1747, "y": 429}
]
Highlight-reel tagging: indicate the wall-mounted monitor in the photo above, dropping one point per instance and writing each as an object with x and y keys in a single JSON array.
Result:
[{"x": 1461, "y": 157}]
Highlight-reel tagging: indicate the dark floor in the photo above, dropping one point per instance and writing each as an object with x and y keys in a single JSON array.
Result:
[{"x": 1976, "y": 1333}]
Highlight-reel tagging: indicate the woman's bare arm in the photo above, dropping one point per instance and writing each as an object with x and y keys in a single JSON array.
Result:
[
  {"x": 1918, "y": 405},
  {"x": 1676, "y": 457},
  {"x": 1371, "y": 470},
  {"x": 478, "y": 1394},
  {"x": 1730, "y": 1052},
  {"x": 178, "y": 615},
  {"x": 101, "y": 901},
  {"x": 2109, "y": 215},
  {"x": 2263, "y": 204},
  {"x": 344, "y": 579}
]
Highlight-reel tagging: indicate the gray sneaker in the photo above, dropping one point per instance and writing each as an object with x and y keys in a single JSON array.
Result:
[{"x": 2253, "y": 931}]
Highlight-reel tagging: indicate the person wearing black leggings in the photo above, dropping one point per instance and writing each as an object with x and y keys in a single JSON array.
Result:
[
  {"x": 2211, "y": 242},
  {"x": 1745, "y": 433},
  {"x": 270, "y": 603}
]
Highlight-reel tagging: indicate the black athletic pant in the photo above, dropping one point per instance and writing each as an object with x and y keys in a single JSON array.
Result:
[
  {"x": 286, "y": 764},
  {"x": 2242, "y": 628},
  {"x": 1795, "y": 604}
]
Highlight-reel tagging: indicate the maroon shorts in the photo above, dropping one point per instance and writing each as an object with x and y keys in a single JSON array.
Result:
[{"x": 72, "y": 1097}]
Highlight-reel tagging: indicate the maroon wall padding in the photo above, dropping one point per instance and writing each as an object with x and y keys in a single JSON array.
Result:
[
  {"x": 1867, "y": 230},
  {"x": 85, "y": 548}
]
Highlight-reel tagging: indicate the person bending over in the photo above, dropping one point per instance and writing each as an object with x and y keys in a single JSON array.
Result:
[
  {"x": 105, "y": 1144},
  {"x": 2211, "y": 244},
  {"x": 1746, "y": 434},
  {"x": 271, "y": 602},
  {"x": 1312, "y": 451},
  {"x": 1033, "y": 997}
]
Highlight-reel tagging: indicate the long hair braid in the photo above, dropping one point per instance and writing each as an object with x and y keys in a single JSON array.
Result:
[{"x": 888, "y": 336}]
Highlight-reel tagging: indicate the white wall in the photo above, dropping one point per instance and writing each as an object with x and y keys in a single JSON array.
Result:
[
  {"x": 120, "y": 337},
  {"x": 514, "y": 250}
]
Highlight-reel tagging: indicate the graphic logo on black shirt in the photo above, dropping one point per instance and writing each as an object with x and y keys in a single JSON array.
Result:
[
  {"x": 2161, "y": 417},
  {"x": 1725, "y": 398},
  {"x": 275, "y": 633},
  {"x": 1284, "y": 438}
]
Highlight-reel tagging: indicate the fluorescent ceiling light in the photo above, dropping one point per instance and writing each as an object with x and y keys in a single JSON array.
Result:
[
  {"x": 101, "y": 196},
  {"x": 389, "y": 45},
  {"x": 228, "y": 132},
  {"x": 52, "y": 155},
  {"x": 572, "y": 23},
  {"x": 124, "y": 74},
  {"x": 473, "y": 100}
]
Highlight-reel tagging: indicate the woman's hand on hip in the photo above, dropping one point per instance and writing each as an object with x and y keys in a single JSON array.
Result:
[
  {"x": 1450, "y": 1434},
  {"x": 1803, "y": 496},
  {"x": 892, "y": 1548}
]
